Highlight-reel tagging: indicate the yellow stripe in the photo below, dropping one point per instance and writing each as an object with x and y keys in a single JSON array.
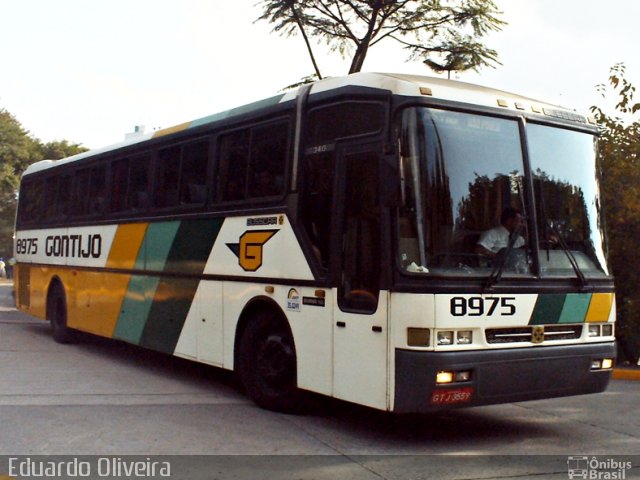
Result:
[
  {"x": 126, "y": 244},
  {"x": 167, "y": 131},
  {"x": 99, "y": 295},
  {"x": 600, "y": 307}
]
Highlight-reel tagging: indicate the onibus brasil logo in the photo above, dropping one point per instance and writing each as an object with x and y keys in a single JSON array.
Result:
[
  {"x": 597, "y": 468},
  {"x": 249, "y": 248}
]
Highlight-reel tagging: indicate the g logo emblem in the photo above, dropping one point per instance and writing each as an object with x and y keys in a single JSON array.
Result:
[
  {"x": 250, "y": 247},
  {"x": 537, "y": 335}
]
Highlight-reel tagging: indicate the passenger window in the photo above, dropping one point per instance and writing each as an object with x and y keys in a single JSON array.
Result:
[
  {"x": 317, "y": 195},
  {"x": 119, "y": 184},
  {"x": 234, "y": 157},
  {"x": 168, "y": 177},
  {"x": 348, "y": 119},
  {"x": 63, "y": 199},
  {"x": 51, "y": 190},
  {"x": 253, "y": 162},
  {"x": 359, "y": 287},
  {"x": 82, "y": 193},
  {"x": 32, "y": 196},
  {"x": 130, "y": 184},
  {"x": 193, "y": 173},
  {"x": 139, "y": 183},
  {"x": 268, "y": 158},
  {"x": 98, "y": 189}
]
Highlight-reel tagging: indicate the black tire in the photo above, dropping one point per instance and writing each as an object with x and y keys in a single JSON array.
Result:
[
  {"x": 57, "y": 314},
  {"x": 267, "y": 364}
]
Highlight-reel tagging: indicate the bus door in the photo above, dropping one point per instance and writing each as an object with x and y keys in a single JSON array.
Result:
[{"x": 360, "y": 311}]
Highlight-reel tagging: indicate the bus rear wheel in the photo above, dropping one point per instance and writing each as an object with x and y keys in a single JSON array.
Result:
[
  {"x": 57, "y": 314},
  {"x": 267, "y": 365}
]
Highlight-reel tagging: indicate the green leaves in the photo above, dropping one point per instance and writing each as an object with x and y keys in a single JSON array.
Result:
[
  {"x": 619, "y": 152},
  {"x": 17, "y": 151},
  {"x": 444, "y": 34}
]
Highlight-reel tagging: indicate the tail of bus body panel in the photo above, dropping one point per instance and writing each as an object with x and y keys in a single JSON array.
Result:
[
  {"x": 183, "y": 287},
  {"x": 161, "y": 285}
]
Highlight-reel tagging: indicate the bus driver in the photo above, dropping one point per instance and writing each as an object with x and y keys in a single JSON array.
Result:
[{"x": 495, "y": 239}]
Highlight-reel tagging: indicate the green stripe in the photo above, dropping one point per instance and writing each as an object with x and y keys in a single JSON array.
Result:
[
  {"x": 575, "y": 308},
  {"x": 135, "y": 308},
  {"x": 192, "y": 246},
  {"x": 142, "y": 289},
  {"x": 188, "y": 255},
  {"x": 267, "y": 102},
  {"x": 548, "y": 309},
  {"x": 157, "y": 244}
]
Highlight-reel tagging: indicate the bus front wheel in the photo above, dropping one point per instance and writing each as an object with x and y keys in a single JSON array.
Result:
[
  {"x": 57, "y": 314},
  {"x": 267, "y": 364}
]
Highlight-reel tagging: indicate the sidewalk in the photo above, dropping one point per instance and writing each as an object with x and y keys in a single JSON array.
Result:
[{"x": 626, "y": 372}]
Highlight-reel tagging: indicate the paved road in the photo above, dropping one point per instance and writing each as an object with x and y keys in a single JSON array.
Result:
[{"x": 100, "y": 397}]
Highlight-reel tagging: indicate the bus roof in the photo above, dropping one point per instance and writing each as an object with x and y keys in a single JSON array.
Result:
[{"x": 395, "y": 83}]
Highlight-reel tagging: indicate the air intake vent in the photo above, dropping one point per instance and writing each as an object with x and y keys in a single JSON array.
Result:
[{"x": 525, "y": 334}]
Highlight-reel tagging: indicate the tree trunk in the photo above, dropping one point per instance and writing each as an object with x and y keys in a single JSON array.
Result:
[{"x": 306, "y": 41}]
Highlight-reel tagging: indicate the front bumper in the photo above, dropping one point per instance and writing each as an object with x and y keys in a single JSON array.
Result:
[{"x": 498, "y": 376}]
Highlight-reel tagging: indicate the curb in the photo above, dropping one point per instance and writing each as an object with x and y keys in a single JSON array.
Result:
[{"x": 626, "y": 374}]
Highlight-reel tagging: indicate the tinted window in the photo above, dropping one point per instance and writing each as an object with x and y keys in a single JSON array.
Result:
[
  {"x": 317, "y": 197},
  {"x": 32, "y": 195},
  {"x": 129, "y": 184},
  {"x": 253, "y": 161},
  {"x": 348, "y": 119},
  {"x": 462, "y": 174}
]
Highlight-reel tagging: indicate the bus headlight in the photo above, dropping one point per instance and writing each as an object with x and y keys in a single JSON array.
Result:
[
  {"x": 454, "y": 337},
  {"x": 464, "y": 337},
  {"x": 601, "y": 330},
  {"x": 444, "y": 377},
  {"x": 602, "y": 364},
  {"x": 445, "y": 338}
]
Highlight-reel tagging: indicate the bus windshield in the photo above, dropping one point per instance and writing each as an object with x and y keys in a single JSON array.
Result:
[
  {"x": 565, "y": 179},
  {"x": 464, "y": 198}
]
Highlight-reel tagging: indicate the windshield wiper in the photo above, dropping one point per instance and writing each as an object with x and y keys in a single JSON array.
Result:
[
  {"x": 496, "y": 273},
  {"x": 570, "y": 256}
]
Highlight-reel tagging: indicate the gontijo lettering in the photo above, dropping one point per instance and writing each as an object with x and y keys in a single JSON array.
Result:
[{"x": 73, "y": 246}]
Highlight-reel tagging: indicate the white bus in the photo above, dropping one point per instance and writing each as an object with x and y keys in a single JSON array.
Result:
[{"x": 328, "y": 240}]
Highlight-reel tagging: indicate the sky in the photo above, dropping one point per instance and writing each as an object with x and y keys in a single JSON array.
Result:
[{"x": 90, "y": 71}]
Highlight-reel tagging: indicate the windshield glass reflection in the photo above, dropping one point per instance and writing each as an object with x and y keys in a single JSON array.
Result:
[
  {"x": 464, "y": 198},
  {"x": 463, "y": 194},
  {"x": 563, "y": 163}
]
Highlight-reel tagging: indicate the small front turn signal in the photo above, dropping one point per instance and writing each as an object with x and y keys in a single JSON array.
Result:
[{"x": 607, "y": 363}]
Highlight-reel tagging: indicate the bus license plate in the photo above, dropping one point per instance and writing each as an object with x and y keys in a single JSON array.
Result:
[{"x": 448, "y": 397}]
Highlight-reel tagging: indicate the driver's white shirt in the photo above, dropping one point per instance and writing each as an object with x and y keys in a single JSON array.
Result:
[{"x": 497, "y": 238}]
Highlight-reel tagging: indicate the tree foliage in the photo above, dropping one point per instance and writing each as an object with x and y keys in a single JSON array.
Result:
[
  {"x": 620, "y": 156},
  {"x": 444, "y": 34},
  {"x": 17, "y": 151}
]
